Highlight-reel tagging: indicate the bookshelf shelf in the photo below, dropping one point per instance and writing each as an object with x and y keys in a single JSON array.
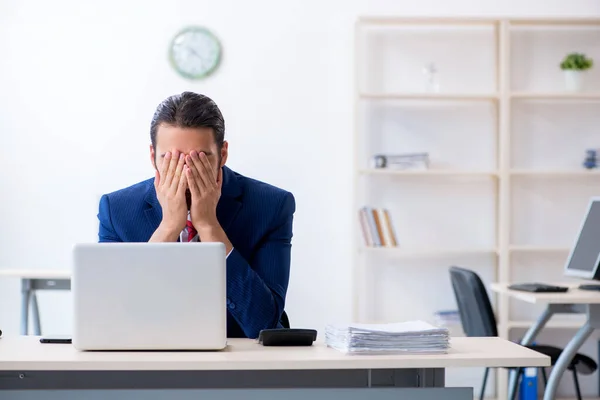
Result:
[
  {"x": 538, "y": 249},
  {"x": 515, "y": 22},
  {"x": 430, "y": 96},
  {"x": 428, "y": 252},
  {"x": 556, "y": 173},
  {"x": 523, "y": 130},
  {"x": 430, "y": 172},
  {"x": 403, "y": 21},
  {"x": 556, "y": 96},
  {"x": 555, "y": 23}
]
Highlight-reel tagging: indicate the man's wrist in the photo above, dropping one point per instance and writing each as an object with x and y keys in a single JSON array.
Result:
[
  {"x": 207, "y": 226},
  {"x": 213, "y": 233},
  {"x": 207, "y": 229},
  {"x": 167, "y": 233}
]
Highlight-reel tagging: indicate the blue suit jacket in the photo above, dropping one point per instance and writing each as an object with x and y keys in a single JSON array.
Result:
[{"x": 257, "y": 219}]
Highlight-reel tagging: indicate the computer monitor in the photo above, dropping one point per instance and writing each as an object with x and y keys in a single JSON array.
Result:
[{"x": 585, "y": 254}]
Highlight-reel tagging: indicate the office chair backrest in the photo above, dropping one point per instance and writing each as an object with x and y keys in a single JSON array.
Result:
[
  {"x": 284, "y": 320},
  {"x": 476, "y": 313}
]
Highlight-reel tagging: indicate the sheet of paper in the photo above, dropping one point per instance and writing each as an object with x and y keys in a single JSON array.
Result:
[{"x": 409, "y": 337}]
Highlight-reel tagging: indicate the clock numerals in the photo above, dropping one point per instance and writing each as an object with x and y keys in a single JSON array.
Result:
[{"x": 195, "y": 53}]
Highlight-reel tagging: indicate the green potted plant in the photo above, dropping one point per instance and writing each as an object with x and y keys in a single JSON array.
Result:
[{"x": 574, "y": 66}]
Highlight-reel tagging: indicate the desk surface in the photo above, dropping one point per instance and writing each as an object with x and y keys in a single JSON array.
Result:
[
  {"x": 573, "y": 296},
  {"x": 27, "y": 353},
  {"x": 35, "y": 273}
]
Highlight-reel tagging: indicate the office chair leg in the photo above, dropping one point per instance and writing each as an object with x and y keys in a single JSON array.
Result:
[
  {"x": 576, "y": 382},
  {"x": 516, "y": 389},
  {"x": 544, "y": 376},
  {"x": 485, "y": 376}
]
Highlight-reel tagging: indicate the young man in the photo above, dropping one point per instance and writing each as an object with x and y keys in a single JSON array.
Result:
[{"x": 195, "y": 197}]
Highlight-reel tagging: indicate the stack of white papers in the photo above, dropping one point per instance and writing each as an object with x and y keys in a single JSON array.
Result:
[{"x": 411, "y": 337}]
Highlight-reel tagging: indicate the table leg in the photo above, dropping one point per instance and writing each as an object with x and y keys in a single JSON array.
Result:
[
  {"x": 565, "y": 358},
  {"x": 25, "y": 299},
  {"x": 528, "y": 339},
  {"x": 37, "y": 329}
]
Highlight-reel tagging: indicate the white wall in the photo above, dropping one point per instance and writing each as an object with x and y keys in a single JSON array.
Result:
[{"x": 79, "y": 82}]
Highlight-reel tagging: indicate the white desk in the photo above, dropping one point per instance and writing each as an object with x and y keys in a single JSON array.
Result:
[
  {"x": 31, "y": 281},
  {"x": 573, "y": 301},
  {"x": 27, "y": 364}
]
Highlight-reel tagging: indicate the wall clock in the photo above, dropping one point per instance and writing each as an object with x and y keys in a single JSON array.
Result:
[{"x": 195, "y": 52}]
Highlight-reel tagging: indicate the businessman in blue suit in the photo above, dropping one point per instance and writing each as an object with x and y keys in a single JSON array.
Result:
[{"x": 195, "y": 197}]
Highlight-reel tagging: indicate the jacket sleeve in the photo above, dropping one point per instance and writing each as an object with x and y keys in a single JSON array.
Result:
[
  {"x": 106, "y": 232},
  {"x": 257, "y": 288}
]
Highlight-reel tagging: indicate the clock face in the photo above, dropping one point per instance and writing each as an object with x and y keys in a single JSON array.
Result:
[{"x": 195, "y": 53}]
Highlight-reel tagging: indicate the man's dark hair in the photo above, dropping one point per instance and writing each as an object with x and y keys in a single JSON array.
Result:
[{"x": 189, "y": 110}]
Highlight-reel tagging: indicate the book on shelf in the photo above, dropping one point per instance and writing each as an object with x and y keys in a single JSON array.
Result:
[
  {"x": 406, "y": 161},
  {"x": 377, "y": 227}
]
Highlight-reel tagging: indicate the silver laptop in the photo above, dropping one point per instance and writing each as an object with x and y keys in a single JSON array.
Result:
[{"x": 149, "y": 296}]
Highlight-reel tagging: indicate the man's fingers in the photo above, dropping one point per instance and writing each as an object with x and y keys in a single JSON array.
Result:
[
  {"x": 165, "y": 163},
  {"x": 203, "y": 177},
  {"x": 164, "y": 166},
  {"x": 178, "y": 171},
  {"x": 156, "y": 179},
  {"x": 195, "y": 166},
  {"x": 183, "y": 182},
  {"x": 171, "y": 168},
  {"x": 209, "y": 174},
  {"x": 191, "y": 182}
]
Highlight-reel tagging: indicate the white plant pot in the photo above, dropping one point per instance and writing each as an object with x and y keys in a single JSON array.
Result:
[{"x": 574, "y": 80}]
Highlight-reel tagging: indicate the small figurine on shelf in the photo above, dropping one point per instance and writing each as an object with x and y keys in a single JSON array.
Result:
[
  {"x": 590, "y": 161},
  {"x": 379, "y": 161},
  {"x": 405, "y": 161},
  {"x": 432, "y": 84}
]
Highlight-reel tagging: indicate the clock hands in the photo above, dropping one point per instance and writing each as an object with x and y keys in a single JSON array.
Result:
[
  {"x": 200, "y": 59},
  {"x": 194, "y": 52}
]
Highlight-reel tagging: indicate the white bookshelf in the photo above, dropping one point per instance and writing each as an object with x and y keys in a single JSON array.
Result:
[
  {"x": 538, "y": 249},
  {"x": 427, "y": 252},
  {"x": 555, "y": 96},
  {"x": 556, "y": 173},
  {"x": 425, "y": 173},
  {"x": 511, "y": 176},
  {"x": 430, "y": 96}
]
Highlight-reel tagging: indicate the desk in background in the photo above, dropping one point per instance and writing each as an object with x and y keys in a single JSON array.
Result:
[
  {"x": 32, "y": 281},
  {"x": 575, "y": 301},
  {"x": 26, "y": 364}
]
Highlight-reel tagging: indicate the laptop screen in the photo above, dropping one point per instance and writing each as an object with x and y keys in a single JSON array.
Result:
[{"x": 584, "y": 256}]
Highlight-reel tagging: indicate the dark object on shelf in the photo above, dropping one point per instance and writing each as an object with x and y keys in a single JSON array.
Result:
[
  {"x": 591, "y": 159},
  {"x": 379, "y": 161},
  {"x": 538, "y": 288},
  {"x": 477, "y": 318},
  {"x": 401, "y": 161},
  {"x": 589, "y": 287}
]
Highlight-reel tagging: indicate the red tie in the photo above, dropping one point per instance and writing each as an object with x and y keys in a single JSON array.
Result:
[{"x": 191, "y": 231}]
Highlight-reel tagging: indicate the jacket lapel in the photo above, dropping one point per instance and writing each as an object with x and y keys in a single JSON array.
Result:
[{"x": 229, "y": 204}]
